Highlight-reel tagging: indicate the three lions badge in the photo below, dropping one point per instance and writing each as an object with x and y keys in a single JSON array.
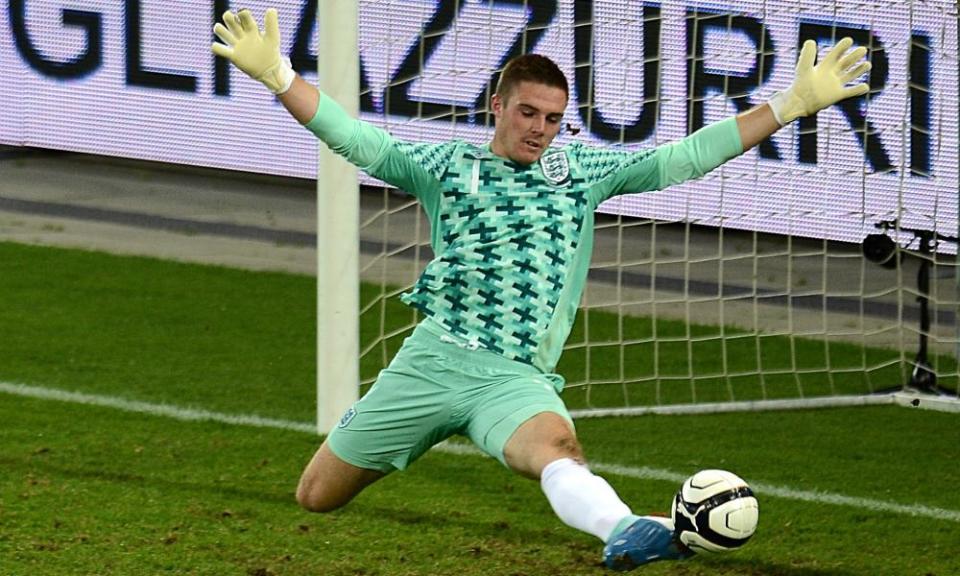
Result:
[{"x": 555, "y": 167}]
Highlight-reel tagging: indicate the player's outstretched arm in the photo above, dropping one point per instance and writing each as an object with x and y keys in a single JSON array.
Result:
[
  {"x": 814, "y": 88},
  {"x": 372, "y": 149},
  {"x": 257, "y": 54}
]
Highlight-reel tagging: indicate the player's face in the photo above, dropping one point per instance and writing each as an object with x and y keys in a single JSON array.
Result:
[{"x": 527, "y": 121}]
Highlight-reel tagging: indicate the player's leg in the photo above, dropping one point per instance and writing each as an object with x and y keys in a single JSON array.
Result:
[
  {"x": 522, "y": 422},
  {"x": 407, "y": 411},
  {"x": 545, "y": 447},
  {"x": 328, "y": 483}
]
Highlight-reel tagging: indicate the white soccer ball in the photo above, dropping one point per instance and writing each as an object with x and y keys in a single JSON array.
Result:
[{"x": 715, "y": 511}]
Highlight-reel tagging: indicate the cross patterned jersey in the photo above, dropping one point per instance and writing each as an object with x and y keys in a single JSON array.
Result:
[{"x": 512, "y": 242}]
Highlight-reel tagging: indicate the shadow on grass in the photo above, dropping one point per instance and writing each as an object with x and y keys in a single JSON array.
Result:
[
  {"x": 128, "y": 479},
  {"x": 752, "y": 567}
]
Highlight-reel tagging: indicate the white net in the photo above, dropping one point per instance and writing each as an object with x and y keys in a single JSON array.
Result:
[{"x": 747, "y": 285}]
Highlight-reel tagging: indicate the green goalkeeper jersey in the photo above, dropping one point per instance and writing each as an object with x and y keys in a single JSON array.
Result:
[{"x": 512, "y": 243}]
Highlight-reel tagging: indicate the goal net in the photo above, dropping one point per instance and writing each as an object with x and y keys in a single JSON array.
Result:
[{"x": 749, "y": 287}]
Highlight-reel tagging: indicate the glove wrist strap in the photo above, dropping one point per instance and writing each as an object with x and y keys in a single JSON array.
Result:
[
  {"x": 279, "y": 78},
  {"x": 778, "y": 103}
]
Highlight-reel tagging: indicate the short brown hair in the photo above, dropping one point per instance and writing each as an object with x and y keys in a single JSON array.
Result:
[{"x": 530, "y": 68}]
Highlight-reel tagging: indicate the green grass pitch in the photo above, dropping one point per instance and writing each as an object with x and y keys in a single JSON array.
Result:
[{"x": 96, "y": 490}]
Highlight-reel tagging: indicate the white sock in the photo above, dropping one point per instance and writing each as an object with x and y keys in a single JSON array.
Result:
[{"x": 582, "y": 500}]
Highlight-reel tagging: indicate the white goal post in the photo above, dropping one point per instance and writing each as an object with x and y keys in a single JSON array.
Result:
[
  {"x": 338, "y": 224},
  {"x": 745, "y": 290}
]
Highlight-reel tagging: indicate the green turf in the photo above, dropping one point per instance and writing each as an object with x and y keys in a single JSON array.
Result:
[
  {"x": 158, "y": 331},
  {"x": 90, "y": 490}
]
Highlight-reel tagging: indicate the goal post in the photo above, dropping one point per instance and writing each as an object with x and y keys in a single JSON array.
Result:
[{"x": 338, "y": 278}]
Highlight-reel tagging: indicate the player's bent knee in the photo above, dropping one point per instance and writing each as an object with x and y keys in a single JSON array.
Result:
[
  {"x": 568, "y": 446},
  {"x": 312, "y": 497},
  {"x": 323, "y": 493},
  {"x": 539, "y": 441},
  {"x": 328, "y": 483}
]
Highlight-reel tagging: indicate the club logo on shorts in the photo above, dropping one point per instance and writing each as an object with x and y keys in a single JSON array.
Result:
[
  {"x": 555, "y": 167},
  {"x": 347, "y": 417}
]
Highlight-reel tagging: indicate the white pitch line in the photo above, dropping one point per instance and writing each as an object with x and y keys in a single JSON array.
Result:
[
  {"x": 640, "y": 473},
  {"x": 165, "y": 410}
]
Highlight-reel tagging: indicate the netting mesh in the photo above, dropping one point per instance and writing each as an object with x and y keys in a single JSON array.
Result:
[{"x": 749, "y": 284}]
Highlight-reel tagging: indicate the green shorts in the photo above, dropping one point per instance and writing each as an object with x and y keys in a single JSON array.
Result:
[{"x": 438, "y": 386}]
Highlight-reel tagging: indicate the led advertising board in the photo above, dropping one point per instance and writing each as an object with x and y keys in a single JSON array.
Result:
[{"x": 137, "y": 79}]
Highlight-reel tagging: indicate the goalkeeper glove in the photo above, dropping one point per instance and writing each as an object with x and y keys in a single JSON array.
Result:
[
  {"x": 817, "y": 87},
  {"x": 258, "y": 55}
]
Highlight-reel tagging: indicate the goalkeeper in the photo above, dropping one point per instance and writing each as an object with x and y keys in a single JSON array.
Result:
[{"x": 512, "y": 229}]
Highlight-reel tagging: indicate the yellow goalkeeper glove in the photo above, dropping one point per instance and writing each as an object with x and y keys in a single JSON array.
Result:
[
  {"x": 258, "y": 55},
  {"x": 817, "y": 87}
]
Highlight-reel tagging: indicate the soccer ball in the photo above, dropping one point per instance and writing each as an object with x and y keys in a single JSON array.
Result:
[{"x": 714, "y": 511}]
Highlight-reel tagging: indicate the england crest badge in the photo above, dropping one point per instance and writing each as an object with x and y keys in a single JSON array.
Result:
[
  {"x": 555, "y": 167},
  {"x": 347, "y": 417}
]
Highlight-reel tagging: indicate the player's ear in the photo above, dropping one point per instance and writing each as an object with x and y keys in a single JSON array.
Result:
[{"x": 496, "y": 102}]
